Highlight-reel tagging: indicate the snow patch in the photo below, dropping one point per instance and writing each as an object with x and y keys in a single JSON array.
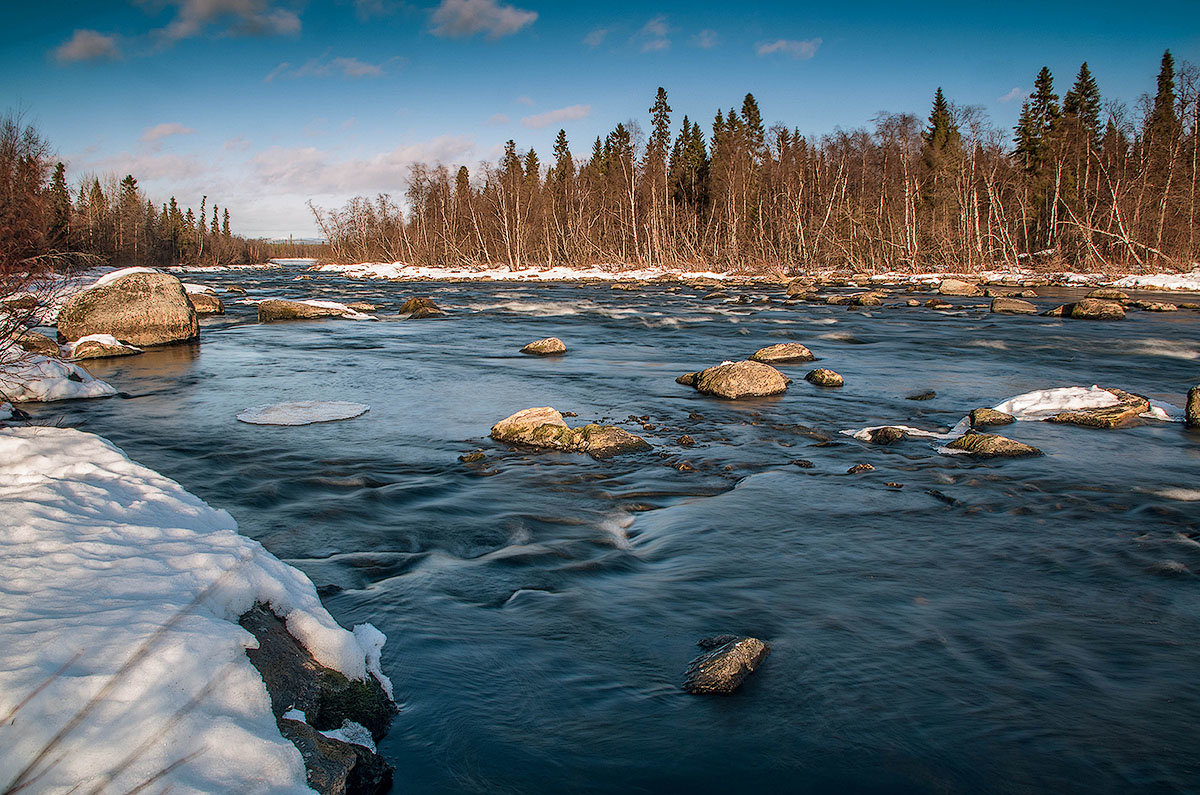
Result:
[
  {"x": 112, "y": 276},
  {"x": 864, "y": 434},
  {"x": 401, "y": 271},
  {"x": 303, "y": 412},
  {"x": 353, "y": 733},
  {"x": 32, "y": 377},
  {"x": 109, "y": 565},
  {"x": 1186, "y": 282},
  {"x": 192, "y": 288},
  {"x": 347, "y": 312},
  {"x": 103, "y": 339}
]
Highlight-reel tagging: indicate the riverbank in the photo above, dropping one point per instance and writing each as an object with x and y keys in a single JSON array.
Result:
[{"x": 124, "y": 661}]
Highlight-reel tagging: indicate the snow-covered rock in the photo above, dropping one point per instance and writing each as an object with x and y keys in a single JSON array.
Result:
[
  {"x": 98, "y": 346},
  {"x": 122, "y": 594},
  {"x": 32, "y": 377}
]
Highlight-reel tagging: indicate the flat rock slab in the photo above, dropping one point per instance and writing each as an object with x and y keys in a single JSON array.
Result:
[
  {"x": 783, "y": 352},
  {"x": 1012, "y": 306},
  {"x": 544, "y": 428},
  {"x": 736, "y": 380},
  {"x": 990, "y": 445},
  {"x": 273, "y": 310},
  {"x": 727, "y": 660},
  {"x": 550, "y": 346},
  {"x": 958, "y": 287},
  {"x": 1123, "y": 413},
  {"x": 302, "y": 412}
]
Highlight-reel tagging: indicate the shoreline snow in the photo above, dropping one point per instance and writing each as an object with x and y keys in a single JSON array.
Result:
[{"x": 101, "y": 554}]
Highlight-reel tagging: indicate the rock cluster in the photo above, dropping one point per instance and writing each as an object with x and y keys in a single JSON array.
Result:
[
  {"x": 544, "y": 428},
  {"x": 297, "y": 682}
]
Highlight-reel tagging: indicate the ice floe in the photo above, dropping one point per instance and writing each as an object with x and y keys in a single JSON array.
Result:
[{"x": 303, "y": 412}]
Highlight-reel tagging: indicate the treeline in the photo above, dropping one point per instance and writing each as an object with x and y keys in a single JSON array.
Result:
[
  {"x": 45, "y": 222},
  {"x": 1079, "y": 183}
]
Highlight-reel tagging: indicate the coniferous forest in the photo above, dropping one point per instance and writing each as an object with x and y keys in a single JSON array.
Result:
[{"x": 1080, "y": 183}]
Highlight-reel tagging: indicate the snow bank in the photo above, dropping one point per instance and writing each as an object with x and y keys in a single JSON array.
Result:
[
  {"x": 401, "y": 271},
  {"x": 103, "y": 339},
  {"x": 1043, "y": 403},
  {"x": 304, "y": 412},
  {"x": 1189, "y": 282},
  {"x": 109, "y": 565},
  {"x": 261, "y": 266},
  {"x": 33, "y": 377},
  {"x": 190, "y": 287}
]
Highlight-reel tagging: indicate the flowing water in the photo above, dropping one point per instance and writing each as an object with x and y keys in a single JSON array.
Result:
[{"x": 988, "y": 627}]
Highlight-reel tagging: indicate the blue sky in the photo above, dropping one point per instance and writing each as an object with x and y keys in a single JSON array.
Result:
[{"x": 265, "y": 104}]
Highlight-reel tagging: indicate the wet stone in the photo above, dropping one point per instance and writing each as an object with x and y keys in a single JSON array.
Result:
[{"x": 727, "y": 660}]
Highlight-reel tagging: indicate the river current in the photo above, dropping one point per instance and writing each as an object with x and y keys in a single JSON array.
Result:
[{"x": 1001, "y": 626}]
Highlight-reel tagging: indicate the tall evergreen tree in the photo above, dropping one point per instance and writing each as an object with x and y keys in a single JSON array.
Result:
[
  {"x": 1082, "y": 102},
  {"x": 660, "y": 129},
  {"x": 1163, "y": 122},
  {"x": 225, "y": 224},
  {"x": 752, "y": 123},
  {"x": 564, "y": 164},
  {"x": 59, "y": 196}
]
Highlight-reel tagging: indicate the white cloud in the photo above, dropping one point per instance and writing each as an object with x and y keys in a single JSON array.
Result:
[
  {"x": 655, "y": 45},
  {"x": 498, "y": 118},
  {"x": 706, "y": 39},
  {"x": 571, "y": 113},
  {"x": 523, "y": 100},
  {"x": 1016, "y": 93},
  {"x": 803, "y": 50},
  {"x": 596, "y": 37},
  {"x": 460, "y": 18},
  {"x": 326, "y": 67},
  {"x": 656, "y": 26},
  {"x": 88, "y": 45},
  {"x": 165, "y": 130},
  {"x": 235, "y": 17}
]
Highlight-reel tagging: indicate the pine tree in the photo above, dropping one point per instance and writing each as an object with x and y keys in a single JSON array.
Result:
[
  {"x": 564, "y": 165},
  {"x": 1038, "y": 115},
  {"x": 215, "y": 229},
  {"x": 533, "y": 170},
  {"x": 756, "y": 134},
  {"x": 225, "y": 224},
  {"x": 660, "y": 129},
  {"x": 942, "y": 142},
  {"x": 462, "y": 185}
]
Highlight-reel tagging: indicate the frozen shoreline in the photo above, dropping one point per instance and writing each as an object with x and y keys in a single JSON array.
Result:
[
  {"x": 100, "y": 554},
  {"x": 398, "y": 271}
]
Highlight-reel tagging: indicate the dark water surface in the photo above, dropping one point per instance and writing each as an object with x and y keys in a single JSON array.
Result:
[{"x": 1032, "y": 626}]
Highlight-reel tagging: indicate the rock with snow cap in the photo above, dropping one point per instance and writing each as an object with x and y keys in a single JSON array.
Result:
[{"x": 135, "y": 306}]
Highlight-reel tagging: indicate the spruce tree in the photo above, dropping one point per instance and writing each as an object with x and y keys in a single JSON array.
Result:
[
  {"x": 756, "y": 134},
  {"x": 1082, "y": 102},
  {"x": 564, "y": 164},
  {"x": 58, "y": 233},
  {"x": 942, "y": 140},
  {"x": 215, "y": 229},
  {"x": 660, "y": 129},
  {"x": 1163, "y": 123},
  {"x": 225, "y": 224},
  {"x": 462, "y": 184},
  {"x": 533, "y": 170}
]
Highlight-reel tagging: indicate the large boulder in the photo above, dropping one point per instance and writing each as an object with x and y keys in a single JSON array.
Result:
[
  {"x": 735, "y": 380},
  {"x": 958, "y": 287},
  {"x": 421, "y": 309},
  {"x": 206, "y": 304},
  {"x": 272, "y": 310},
  {"x": 783, "y": 352},
  {"x": 551, "y": 346},
  {"x": 1096, "y": 309},
  {"x": 1192, "y": 415},
  {"x": 726, "y": 661},
  {"x": 1013, "y": 306},
  {"x": 989, "y": 445},
  {"x": 544, "y": 428},
  {"x": 1124, "y": 412},
  {"x": 136, "y": 308},
  {"x": 33, "y": 342}
]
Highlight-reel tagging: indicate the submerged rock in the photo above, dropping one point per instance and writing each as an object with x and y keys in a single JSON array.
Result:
[
  {"x": 206, "y": 304},
  {"x": 924, "y": 394},
  {"x": 1123, "y": 413},
  {"x": 937, "y": 303},
  {"x": 1108, "y": 294},
  {"x": 990, "y": 445},
  {"x": 550, "y": 346},
  {"x": 299, "y": 684},
  {"x": 958, "y": 287},
  {"x": 1013, "y": 306},
  {"x": 984, "y": 417},
  {"x": 859, "y": 469},
  {"x": 727, "y": 660},
  {"x": 823, "y": 377},
  {"x": 544, "y": 428},
  {"x": 421, "y": 309},
  {"x": 137, "y": 308},
  {"x": 273, "y": 309},
  {"x": 1095, "y": 309},
  {"x": 889, "y": 434},
  {"x": 783, "y": 352},
  {"x": 734, "y": 380},
  {"x": 1192, "y": 414},
  {"x": 1154, "y": 306}
]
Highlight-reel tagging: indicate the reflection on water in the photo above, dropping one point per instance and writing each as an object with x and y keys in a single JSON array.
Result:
[{"x": 1001, "y": 626}]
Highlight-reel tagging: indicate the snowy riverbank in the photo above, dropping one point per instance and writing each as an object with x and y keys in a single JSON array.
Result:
[{"x": 120, "y": 648}]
